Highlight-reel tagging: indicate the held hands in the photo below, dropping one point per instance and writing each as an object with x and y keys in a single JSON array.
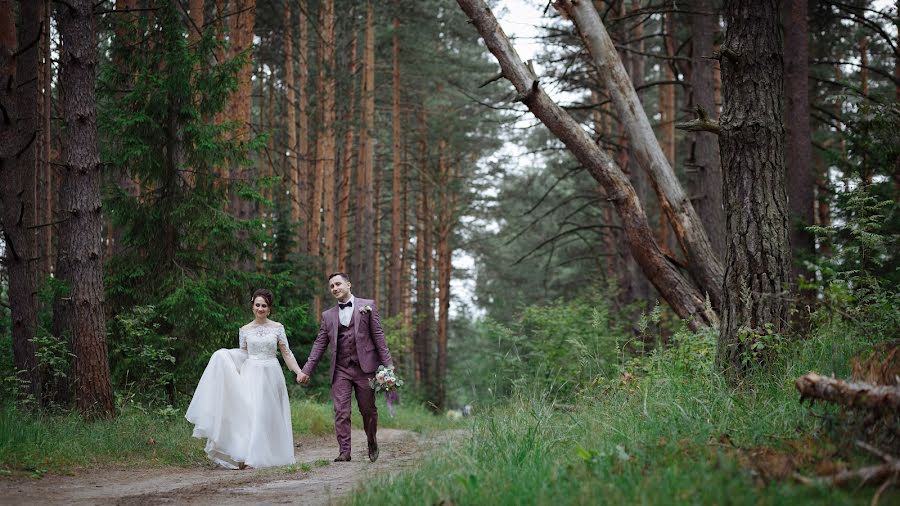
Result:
[{"x": 302, "y": 378}]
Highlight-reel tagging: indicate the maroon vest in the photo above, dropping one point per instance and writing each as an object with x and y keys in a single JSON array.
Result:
[{"x": 346, "y": 346}]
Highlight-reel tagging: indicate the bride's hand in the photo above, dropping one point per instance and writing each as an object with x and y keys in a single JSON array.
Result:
[{"x": 302, "y": 378}]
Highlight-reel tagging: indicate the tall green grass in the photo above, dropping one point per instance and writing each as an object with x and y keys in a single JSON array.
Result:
[
  {"x": 39, "y": 444},
  {"x": 672, "y": 434}
]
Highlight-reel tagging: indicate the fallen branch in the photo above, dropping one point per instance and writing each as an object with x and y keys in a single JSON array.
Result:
[
  {"x": 863, "y": 475},
  {"x": 857, "y": 395}
]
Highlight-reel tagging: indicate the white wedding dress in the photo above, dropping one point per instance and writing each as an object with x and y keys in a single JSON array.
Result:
[{"x": 241, "y": 404}]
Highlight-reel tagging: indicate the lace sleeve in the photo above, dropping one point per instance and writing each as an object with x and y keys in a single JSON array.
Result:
[
  {"x": 282, "y": 337},
  {"x": 242, "y": 340}
]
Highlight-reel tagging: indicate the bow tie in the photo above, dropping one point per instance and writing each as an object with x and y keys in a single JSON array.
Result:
[{"x": 349, "y": 303}]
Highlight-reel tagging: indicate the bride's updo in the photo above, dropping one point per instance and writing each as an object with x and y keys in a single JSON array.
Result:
[{"x": 265, "y": 294}]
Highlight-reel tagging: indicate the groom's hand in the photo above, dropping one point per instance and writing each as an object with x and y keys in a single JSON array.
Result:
[{"x": 302, "y": 378}]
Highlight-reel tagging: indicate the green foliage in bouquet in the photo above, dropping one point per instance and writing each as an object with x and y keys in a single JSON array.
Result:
[{"x": 385, "y": 380}]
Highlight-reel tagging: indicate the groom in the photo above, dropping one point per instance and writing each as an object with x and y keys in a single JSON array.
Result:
[{"x": 353, "y": 329}]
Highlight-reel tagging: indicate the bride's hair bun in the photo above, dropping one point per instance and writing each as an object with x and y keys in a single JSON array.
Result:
[{"x": 264, "y": 293}]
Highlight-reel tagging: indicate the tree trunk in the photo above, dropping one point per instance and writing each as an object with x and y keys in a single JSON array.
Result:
[
  {"x": 703, "y": 166},
  {"x": 18, "y": 136},
  {"x": 195, "y": 25},
  {"x": 800, "y": 175},
  {"x": 423, "y": 345},
  {"x": 42, "y": 188},
  {"x": 301, "y": 191},
  {"x": 48, "y": 190},
  {"x": 685, "y": 300},
  {"x": 328, "y": 152},
  {"x": 405, "y": 270},
  {"x": 243, "y": 21},
  {"x": 347, "y": 163},
  {"x": 80, "y": 233},
  {"x": 396, "y": 269},
  {"x": 317, "y": 179},
  {"x": 445, "y": 266},
  {"x": 705, "y": 267},
  {"x": 752, "y": 146},
  {"x": 293, "y": 156},
  {"x": 364, "y": 251},
  {"x": 376, "y": 256},
  {"x": 424, "y": 310}
]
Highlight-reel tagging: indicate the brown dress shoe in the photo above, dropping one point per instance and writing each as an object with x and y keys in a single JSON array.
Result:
[
  {"x": 344, "y": 457},
  {"x": 373, "y": 451}
]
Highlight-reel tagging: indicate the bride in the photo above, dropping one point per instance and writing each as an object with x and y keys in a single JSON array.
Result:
[{"x": 241, "y": 404}]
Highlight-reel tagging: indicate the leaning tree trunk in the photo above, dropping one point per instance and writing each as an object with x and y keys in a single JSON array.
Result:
[
  {"x": 704, "y": 265},
  {"x": 751, "y": 141},
  {"x": 19, "y": 131},
  {"x": 684, "y": 299},
  {"x": 80, "y": 233}
]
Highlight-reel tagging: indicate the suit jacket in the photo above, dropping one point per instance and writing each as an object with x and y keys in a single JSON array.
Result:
[{"x": 371, "y": 349}]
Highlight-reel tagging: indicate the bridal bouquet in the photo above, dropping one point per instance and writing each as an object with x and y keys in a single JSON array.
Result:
[{"x": 386, "y": 381}]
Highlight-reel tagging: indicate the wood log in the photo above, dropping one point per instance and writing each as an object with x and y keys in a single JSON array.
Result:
[{"x": 857, "y": 395}]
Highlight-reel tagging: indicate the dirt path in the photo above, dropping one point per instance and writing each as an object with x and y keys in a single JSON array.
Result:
[{"x": 325, "y": 483}]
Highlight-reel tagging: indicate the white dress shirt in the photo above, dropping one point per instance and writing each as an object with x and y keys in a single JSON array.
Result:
[{"x": 346, "y": 314}]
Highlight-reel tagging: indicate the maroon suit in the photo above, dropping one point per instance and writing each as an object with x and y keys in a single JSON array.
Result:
[{"x": 356, "y": 352}]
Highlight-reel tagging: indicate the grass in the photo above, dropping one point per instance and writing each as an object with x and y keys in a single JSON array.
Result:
[
  {"x": 677, "y": 434},
  {"x": 39, "y": 444}
]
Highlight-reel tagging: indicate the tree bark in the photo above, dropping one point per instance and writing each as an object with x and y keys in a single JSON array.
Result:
[
  {"x": 800, "y": 175},
  {"x": 243, "y": 22},
  {"x": 197, "y": 14},
  {"x": 703, "y": 166},
  {"x": 80, "y": 234},
  {"x": 347, "y": 162},
  {"x": 446, "y": 220},
  {"x": 18, "y": 142},
  {"x": 292, "y": 154},
  {"x": 685, "y": 300},
  {"x": 752, "y": 145},
  {"x": 48, "y": 191},
  {"x": 364, "y": 252},
  {"x": 424, "y": 308},
  {"x": 328, "y": 152},
  {"x": 319, "y": 179},
  {"x": 885, "y": 398},
  {"x": 704, "y": 266},
  {"x": 300, "y": 191},
  {"x": 396, "y": 269}
]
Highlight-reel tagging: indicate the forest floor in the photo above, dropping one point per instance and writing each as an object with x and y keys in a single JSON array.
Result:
[{"x": 314, "y": 480}]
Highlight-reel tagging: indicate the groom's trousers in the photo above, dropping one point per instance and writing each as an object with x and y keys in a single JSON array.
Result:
[{"x": 347, "y": 378}]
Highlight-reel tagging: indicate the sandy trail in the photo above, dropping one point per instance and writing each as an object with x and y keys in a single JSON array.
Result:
[{"x": 325, "y": 483}]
